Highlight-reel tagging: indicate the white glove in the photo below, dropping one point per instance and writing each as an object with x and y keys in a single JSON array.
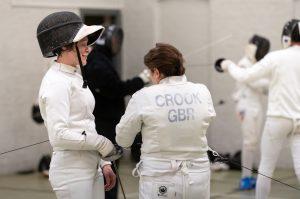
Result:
[
  {"x": 225, "y": 64},
  {"x": 115, "y": 154},
  {"x": 145, "y": 76}
]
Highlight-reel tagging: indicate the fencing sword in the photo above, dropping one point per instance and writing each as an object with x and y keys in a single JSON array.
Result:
[
  {"x": 119, "y": 178},
  {"x": 23, "y": 147},
  {"x": 219, "y": 158},
  {"x": 206, "y": 46}
]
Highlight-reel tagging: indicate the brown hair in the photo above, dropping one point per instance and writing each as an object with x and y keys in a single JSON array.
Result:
[
  {"x": 166, "y": 59},
  {"x": 68, "y": 47}
]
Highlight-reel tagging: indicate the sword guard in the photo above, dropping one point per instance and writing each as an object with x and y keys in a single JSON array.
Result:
[
  {"x": 116, "y": 154},
  {"x": 215, "y": 157}
]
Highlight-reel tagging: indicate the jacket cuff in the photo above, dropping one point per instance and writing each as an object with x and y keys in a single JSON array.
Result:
[{"x": 103, "y": 163}]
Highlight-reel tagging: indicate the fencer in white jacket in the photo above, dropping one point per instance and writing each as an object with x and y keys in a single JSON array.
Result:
[
  {"x": 67, "y": 110},
  {"x": 283, "y": 113},
  {"x": 249, "y": 107},
  {"x": 173, "y": 116}
]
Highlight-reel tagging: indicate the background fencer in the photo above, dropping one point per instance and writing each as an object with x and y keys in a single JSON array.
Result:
[
  {"x": 283, "y": 113},
  {"x": 249, "y": 107},
  {"x": 173, "y": 116},
  {"x": 67, "y": 105},
  {"x": 105, "y": 83},
  {"x": 108, "y": 88}
]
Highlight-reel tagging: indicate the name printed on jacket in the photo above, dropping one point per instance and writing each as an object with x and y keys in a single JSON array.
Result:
[{"x": 175, "y": 103}]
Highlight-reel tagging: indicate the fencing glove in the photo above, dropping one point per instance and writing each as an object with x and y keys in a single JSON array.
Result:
[
  {"x": 222, "y": 64},
  {"x": 115, "y": 154},
  {"x": 145, "y": 76}
]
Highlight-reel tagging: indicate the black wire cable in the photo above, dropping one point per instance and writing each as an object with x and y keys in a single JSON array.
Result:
[
  {"x": 254, "y": 171},
  {"x": 23, "y": 147},
  {"x": 224, "y": 160},
  {"x": 119, "y": 178},
  {"x": 218, "y": 159}
]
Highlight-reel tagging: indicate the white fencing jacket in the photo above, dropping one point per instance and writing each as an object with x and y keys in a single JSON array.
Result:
[
  {"x": 173, "y": 117},
  {"x": 283, "y": 69},
  {"x": 249, "y": 95},
  {"x": 67, "y": 110}
]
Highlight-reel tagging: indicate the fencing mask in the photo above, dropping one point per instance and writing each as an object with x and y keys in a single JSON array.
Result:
[
  {"x": 112, "y": 39},
  {"x": 287, "y": 32},
  {"x": 257, "y": 48}
]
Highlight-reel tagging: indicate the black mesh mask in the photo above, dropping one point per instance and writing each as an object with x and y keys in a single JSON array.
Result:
[
  {"x": 111, "y": 40},
  {"x": 57, "y": 30}
]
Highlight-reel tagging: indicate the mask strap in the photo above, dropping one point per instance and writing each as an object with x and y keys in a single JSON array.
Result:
[{"x": 81, "y": 67}]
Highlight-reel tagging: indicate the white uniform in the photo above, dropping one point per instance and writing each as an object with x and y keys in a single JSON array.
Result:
[
  {"x": 173, "y": 117},
  {"x": 248, "y": 98},
  {"x": 283, "y": 112},
  {"x": 67, "y": 110}
]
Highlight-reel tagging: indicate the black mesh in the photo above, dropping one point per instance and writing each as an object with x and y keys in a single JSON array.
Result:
[
  {"x": 110, "y": 32},
  {"x": 57, "y": 30},
  {"x": 263, "y": 46}
]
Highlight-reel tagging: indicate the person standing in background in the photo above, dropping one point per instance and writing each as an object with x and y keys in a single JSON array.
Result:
[
  {"x": 249, "y": 107},
  {"x": 107, "y": 87},
  {"x": 283, "y": 113}
]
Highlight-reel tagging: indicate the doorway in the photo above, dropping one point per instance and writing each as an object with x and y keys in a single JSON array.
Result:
[{"x": 105, "y": 18}]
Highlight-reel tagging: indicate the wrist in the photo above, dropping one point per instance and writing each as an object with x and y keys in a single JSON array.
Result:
[{"x": 106, "y": 166}]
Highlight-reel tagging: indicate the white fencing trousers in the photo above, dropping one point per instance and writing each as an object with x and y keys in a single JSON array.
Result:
[
  {"x": 72, "y": 178},
  {"x": 251, "y": 129},
  {"x": 276, "y": 131},
  {"x": 174, "y": 179}
]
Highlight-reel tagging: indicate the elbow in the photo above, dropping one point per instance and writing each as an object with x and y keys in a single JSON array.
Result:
[{"x": 122, "y": 142}]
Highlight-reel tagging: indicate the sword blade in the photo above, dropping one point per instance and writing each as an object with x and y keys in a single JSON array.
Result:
[{"x": 119, "y": 179}]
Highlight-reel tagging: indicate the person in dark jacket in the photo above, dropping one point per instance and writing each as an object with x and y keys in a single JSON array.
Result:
[{"x": 107, "y": 87}]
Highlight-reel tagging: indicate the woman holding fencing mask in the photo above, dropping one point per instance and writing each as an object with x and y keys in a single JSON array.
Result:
[
  {"x": 283, "y": 114},
  {"x": 67, "y": 105},
  {"x": 173, "y": 116}
]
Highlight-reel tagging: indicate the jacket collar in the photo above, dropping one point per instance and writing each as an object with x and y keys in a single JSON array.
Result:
[
  {"x": 66, "y": 68},
  {"x": 173, "y": 79}
]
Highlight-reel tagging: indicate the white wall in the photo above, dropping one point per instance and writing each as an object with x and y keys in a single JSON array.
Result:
[
  {"x": 203, "y": 30},
  {"x": 138, "y": 19},
  {"x": 186, "y": 25}
]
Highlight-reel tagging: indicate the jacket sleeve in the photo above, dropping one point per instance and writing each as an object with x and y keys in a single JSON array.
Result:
[
  {"x": 102, "y": 76},
  {"x": 57, "y": 106},
  {"x": 130, "y": 123},
  {"x": 261, "y": 69},
  {"x": 211, "y": 109},
  {"x": 260, "y": 84}
]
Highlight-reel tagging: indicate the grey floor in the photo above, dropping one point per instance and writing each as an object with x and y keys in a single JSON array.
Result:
[{"x": 223, "y": 185}]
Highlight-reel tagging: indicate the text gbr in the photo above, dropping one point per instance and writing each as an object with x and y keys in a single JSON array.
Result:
[{"x": 176, "y": 113}]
